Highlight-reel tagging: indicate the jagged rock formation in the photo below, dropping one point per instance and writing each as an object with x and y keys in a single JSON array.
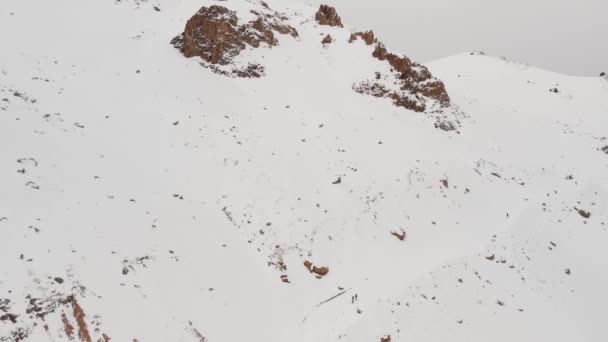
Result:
[
  {"x": 327, "y": 15},
  {"x": 327, "y": 40},
  {"x": 415, "y": 84},
  {"x": 368, "y": 37},
  {"x": 410, "y": 86},
  {"x": 214, "y": 34}
]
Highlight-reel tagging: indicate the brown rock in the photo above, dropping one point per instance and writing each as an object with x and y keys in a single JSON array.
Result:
[
  {"x": 327, "y": 40},
  {"x": 327, "y": 15},
  {"x": 214, "y": 34},
  {"x": 67, "y": 327},
  {"x": 387, "y": 338},
  {"x": 416, "y": 84},
  {"x": 308, "y": 265},
  {"x": 320, "y": 270},
  {"x": 83, "y": 331},
  {"x": 584, "y": 213},
  {"x": 368, "y": 37}
]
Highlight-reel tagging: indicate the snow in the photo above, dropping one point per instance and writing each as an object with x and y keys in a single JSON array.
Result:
[{"x": 191, "y": 180}]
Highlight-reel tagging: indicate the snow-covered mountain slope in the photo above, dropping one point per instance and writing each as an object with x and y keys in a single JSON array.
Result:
[{"x": 147, "y": 198}]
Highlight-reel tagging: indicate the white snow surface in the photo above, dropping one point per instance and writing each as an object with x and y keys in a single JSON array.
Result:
[{"x": 118, "y": 152}]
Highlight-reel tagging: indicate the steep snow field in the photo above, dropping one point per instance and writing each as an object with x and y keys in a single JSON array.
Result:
[{"x": 145, "y": 198}]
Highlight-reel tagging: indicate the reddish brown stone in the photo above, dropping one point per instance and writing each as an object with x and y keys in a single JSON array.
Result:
[
  {"x": 368, "y": 37},
  {"x": 320, "y": 270},
  {"x": 214, "y": 34},
  {"x": 416, "y": 81},
  {"x": 327, "y": 15}
]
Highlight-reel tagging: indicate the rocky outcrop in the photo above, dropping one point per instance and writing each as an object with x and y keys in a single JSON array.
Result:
[
  {"x": 327, "y": 40},
  {"x": 214, "y": 34},
  {"x": 368, "y": 37},
  {"x": 416, "y": 85},
  {"x": 327, "y": 15},
  {"x": 416, "y": 77}
]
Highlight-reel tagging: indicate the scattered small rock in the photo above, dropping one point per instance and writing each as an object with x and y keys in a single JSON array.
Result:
[
  {"x": 583, "y": 213},
  {"x": 33, "y": 185},
  {"x": 400, "y": 236}
]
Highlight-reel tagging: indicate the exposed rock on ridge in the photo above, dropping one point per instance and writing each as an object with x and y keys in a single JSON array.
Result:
[
  {"x": 214, "y": 34},
  {"x": 414, "y": 81},
  {"x": 327, "y": 15},
  {"x": 368, "y": 37}
]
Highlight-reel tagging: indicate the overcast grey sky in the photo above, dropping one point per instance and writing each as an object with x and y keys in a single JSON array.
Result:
[{"x": 567, "y": 36}]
